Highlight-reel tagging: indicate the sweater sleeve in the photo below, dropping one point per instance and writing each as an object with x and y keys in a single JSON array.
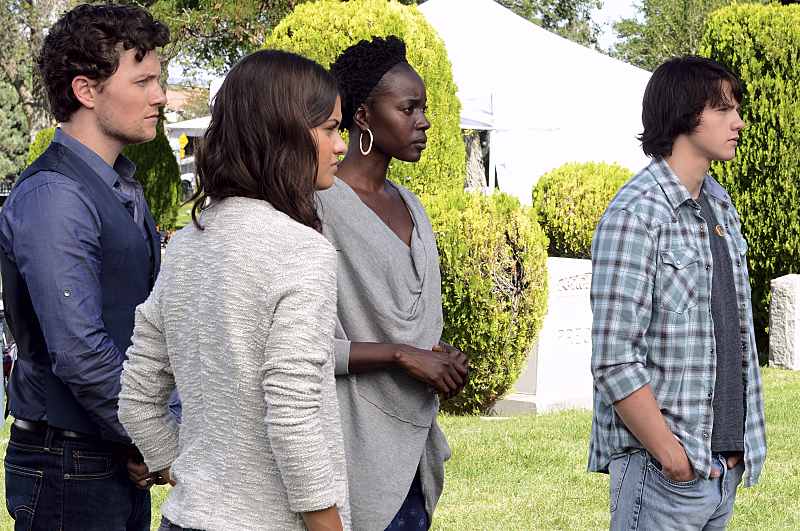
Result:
[
  {"x": 298, "y": 362},
  {"x": 341, "y": 353},
  {"x": 147, "y": 384}
]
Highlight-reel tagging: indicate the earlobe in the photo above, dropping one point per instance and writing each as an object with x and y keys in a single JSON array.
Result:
[
  {"x": 84, "y": 90},
  {"x": 361, "y": 118}
]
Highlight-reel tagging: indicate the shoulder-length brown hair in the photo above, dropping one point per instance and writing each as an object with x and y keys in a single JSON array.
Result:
[{"x": 259, "y": 143}]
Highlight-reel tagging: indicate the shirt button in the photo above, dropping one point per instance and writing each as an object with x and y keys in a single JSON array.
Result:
[
  {"x": 66, "y": 293},
  {"x": 708, "y": 267},
  {"x": 744, "y": 345},
  {"x": 743, "y": 305},
  {"x": 705, "y": 435},
  {"x": 678, "y": 262},
  {"x": 738, "y": 263},
  {"x": 709, "y": 395}
]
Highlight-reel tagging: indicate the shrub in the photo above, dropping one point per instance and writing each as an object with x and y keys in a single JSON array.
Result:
[
  {"x": 492, "y": 256},
  {"x": 14, "y": 141},
  {"x": 322, "y": 30},
  {"x": 40, "y": 144},
  {"x": 158, "y": 172},
  {"x": 761, "y": 44},
  {"x": 569, "y": 201}
]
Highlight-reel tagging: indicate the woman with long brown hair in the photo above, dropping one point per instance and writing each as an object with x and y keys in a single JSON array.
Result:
[{"x": 241, "y": 319}]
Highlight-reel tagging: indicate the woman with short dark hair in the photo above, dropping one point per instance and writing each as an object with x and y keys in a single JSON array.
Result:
[
  {"x": 390, "y": 362},
  {"x": 241, "y": 319}
]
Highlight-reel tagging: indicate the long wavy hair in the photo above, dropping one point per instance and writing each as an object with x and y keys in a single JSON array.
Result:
[{"x": 259, "y": 143}]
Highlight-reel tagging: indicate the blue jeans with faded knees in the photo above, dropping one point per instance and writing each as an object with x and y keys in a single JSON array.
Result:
[
  {"x": 72, "y": 485},
  {"x": 642, "y": 498}
]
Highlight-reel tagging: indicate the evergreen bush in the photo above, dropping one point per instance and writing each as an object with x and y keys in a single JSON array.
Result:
[
  {"x": 569, "y": 201},
  {"x": 14, "y": 141},
  {"x": 324, "y": 29},
  {"x": 761, "y": 45},
  {"x": 40, "y": 144},
  {"x": 492, "y": 255},
  {"x": 156, "y": 170}
]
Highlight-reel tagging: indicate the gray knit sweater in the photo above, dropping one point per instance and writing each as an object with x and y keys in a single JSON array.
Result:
[
  {"x": 241, "y": 319},
  {"x": 388, "y": 293}
]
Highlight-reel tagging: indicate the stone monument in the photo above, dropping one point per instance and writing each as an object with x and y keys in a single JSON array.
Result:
[
  {"x": 558, "y": 374},
  {"x": 784, "y": 322}
]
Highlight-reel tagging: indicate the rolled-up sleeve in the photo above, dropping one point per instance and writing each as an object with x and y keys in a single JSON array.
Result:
[
  {"x": 299, "y": 348},
  {"x": 623, "y": 276}
]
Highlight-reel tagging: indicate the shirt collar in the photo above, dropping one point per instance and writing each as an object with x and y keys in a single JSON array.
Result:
[
  {"x": 123, "y": 166},
  {"x": 714, "y": 189},
  {"x": 676, "y": 192}
]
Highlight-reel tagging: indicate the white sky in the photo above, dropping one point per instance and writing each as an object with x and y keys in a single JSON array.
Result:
[{"x": 612, "y": 10}]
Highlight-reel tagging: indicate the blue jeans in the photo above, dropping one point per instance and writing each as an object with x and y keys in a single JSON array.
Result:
[
  {"x": 70, "y": 485},
  {"x": 644, "y": 499}
]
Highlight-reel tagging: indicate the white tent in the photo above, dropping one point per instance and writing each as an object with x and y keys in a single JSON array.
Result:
[{"x": 547, "y": 101}]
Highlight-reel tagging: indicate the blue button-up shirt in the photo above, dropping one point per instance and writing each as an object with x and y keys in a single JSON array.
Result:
[
  {"x": 652, "y": 271},
  {"x": 50, "y": 228}
]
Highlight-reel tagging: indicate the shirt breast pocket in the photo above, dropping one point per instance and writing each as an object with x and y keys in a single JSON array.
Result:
[{"x": 678, "y": 279}]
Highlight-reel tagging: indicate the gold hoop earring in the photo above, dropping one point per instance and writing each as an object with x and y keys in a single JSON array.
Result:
[{"x": 370, "y": 142}]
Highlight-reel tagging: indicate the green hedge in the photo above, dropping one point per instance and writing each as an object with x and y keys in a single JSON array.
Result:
[
  {"x": 569, "y": 201},
  {"x": 761, "y": 44},
  {"x": 322, "y": 30},
  {"x": 40, "y": 144},
  {"x": 156, "y": 170},
  {"x": 494, "y": 288}
]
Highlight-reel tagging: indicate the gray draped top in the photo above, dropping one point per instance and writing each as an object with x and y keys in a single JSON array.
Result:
[{"x": 388, "y": 292}]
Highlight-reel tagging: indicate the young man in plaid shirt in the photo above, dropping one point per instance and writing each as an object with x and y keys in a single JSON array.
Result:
[{"x": 678, "y": 408}]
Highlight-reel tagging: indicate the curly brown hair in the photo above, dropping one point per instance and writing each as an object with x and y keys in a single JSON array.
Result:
[
  {"x": 259, "y": 143},
  {"x": 85, "y": 41}
]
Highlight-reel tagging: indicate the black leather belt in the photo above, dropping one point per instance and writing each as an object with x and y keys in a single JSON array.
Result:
[{"x": 40, "y": 427}]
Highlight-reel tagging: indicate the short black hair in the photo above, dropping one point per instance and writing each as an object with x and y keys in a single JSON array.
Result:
[
  {"x": 676, "y": 95},
  {"x": 83, "y": 42},
  {"x": 360, "y": 69}
]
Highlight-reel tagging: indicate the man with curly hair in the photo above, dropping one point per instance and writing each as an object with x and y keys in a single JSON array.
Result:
[
  {"x": 678, "y": 409},
  {"x": 80, "y": 252}
]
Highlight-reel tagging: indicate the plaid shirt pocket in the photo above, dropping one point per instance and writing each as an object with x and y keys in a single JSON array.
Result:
[{"x": 677, "y": 279}]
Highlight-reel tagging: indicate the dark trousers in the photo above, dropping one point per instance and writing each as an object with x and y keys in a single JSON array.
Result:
[{"x": 71, "y": 485}]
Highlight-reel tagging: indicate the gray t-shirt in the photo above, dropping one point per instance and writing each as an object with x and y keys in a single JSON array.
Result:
[{"x": 727, "y": 433}]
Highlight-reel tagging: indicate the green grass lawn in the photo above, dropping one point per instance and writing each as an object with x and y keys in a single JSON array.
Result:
[
  {"x": 529, "y": 473},
  {"x": 184, "y": 216}
]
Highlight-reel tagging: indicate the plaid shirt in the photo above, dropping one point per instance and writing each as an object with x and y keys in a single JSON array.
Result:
[{"x": 651, "y": 307}]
